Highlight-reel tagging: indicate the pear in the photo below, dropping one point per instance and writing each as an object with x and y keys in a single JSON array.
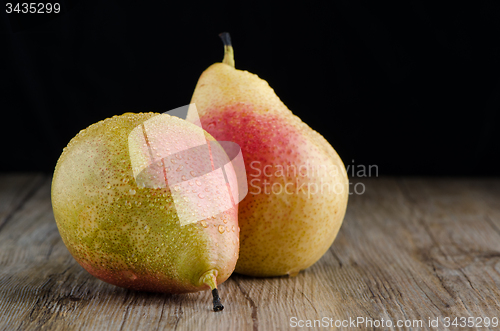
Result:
[
  {"x": 298, "y": 186},
  {"x": 130, "y": 234}
]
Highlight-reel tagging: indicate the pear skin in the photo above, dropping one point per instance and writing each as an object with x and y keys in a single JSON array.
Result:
[
  {"x": 128, "y": 235},
  {"x": 298, "y": 186}
]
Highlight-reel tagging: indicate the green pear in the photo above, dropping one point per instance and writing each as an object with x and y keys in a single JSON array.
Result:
[
  {"x": 130, "y": 234},
  {"x": 297, "y": 183}
]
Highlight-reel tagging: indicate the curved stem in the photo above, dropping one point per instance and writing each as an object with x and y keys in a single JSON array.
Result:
[
  {"x": 217, "y": 304},
  {"x": 228, "y": 49},
  {"x": 210, "y": 278}
]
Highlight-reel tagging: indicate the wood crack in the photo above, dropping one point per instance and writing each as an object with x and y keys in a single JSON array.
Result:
[
  {"x": 308, "y": 300},
  {"x": 179, "y": 315},
  {"x": 425, "y": 293},
  {"x": 255, "y": 320},
  {"x": 162, "y": 311},
  {"x": 127, "y": 309}
]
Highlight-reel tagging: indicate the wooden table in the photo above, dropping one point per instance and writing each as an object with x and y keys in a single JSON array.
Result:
[{"x": 410, "y": 249}]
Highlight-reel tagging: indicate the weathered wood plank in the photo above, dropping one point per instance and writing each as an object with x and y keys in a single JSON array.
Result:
[{"x": 410, "y": 249}]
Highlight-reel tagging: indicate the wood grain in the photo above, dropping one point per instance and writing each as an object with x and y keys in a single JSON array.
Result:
[{"x": 409, "y": 249}]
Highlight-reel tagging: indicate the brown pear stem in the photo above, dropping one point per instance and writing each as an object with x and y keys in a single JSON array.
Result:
[
  {"x": 210, "y": 278},
  {"x": 217, "y": 304},
  {"x": 228, "y": 49}
]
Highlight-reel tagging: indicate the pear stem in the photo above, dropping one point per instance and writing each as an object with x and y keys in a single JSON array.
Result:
[
  {"x": 210, "y": 278},
  {"x": 217, "y": 304},
  {"x": 228, "y": 49}
]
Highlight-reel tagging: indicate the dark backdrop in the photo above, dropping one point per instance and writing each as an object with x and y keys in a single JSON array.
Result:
[{"x": 413, "y": 89}]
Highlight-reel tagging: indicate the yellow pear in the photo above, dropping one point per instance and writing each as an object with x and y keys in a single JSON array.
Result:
[
  {"x": 297, "y": 183},
  {"x": 130, "y": 234}
]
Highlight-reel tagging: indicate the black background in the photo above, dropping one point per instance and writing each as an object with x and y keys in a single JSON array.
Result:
[{"x": 412, "y": 87}]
